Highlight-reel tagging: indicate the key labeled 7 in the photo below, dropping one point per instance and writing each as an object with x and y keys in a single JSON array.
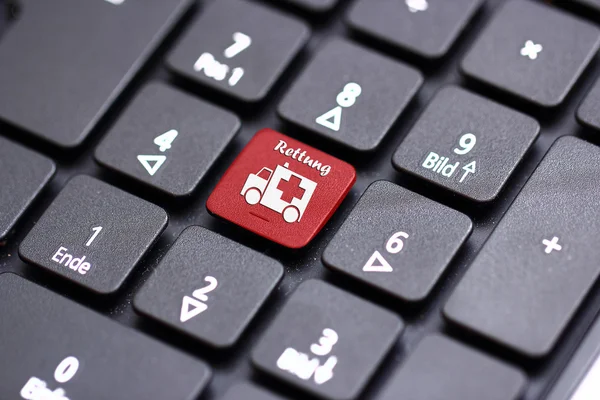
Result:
[{"x": 378, "y": 263}]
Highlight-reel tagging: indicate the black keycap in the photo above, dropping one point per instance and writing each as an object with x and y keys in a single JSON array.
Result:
[
  {"x": 93, "y": 234},
  {"x": 587, "y": 114},
  {"x": 326, "y": 341},
  {"x": 423, "y": 27},
  {"x": 466, "y": 144},
  {"x": 579, "y": 380},
  {"x": 167, "y": 139},
  {"x": 239, "y": 48},
  {"x": 60, "y": 73},
  {"x": 392, "y": 241},
  {"x": 442, "y": 369},
  {"x": 245, "y": 391},
  {"x": 209, "y": 287},
  {"x": 542, "y": 259},
  {"x": 313, "y": 5},
  {"x": 54, "y": 348},
  {"x": 533, "y": 51},
  {"x": 23, "y": 174},
  {"x": 351, "y": 95}
]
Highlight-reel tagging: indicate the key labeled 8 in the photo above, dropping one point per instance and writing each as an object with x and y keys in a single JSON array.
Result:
[{"x": 332, "y": 119}]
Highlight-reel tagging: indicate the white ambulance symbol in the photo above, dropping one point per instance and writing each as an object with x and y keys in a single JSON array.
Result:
[{"x": 279, "y": 190}]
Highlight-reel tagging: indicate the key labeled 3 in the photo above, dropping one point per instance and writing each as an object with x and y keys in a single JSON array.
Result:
[
  {"x": 321, "y": 341},
  {"x": 467, "y": 144}
]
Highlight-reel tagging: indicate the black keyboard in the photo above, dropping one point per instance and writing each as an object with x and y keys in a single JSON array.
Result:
[{"x": 299, "y": 199}]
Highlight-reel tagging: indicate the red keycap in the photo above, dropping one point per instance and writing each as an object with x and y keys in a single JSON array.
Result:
[{"x": 281, "y": 189}]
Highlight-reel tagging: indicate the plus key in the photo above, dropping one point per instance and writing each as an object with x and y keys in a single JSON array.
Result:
[{"x": 541, "y": 261}]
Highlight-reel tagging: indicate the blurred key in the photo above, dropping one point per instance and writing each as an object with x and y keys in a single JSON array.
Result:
[
  {"x": 246, "y": 391},
  {"x": 53, "y": 348},
  {"x": 587, "y": 114},
  {"x": 580, "y": 379},
  {"x": 239, "y": 48},
  {"x": 327, "y": 341},
  {"x": 23, "y": 174},
  {"x": 317, "y": 6},
  {"x": 443, "y": 369},
  {"x": 427, "y": 28},
  {"x": 64, "y": 62}
]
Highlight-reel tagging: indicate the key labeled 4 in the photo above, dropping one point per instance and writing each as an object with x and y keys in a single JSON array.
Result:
[{"x": 281, "y": 189}]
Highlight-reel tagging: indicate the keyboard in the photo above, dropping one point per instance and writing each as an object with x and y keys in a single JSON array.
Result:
[{"x": 299, "y": 199}]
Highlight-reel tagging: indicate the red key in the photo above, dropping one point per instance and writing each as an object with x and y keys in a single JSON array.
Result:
[{"x": 281, "y": 189}]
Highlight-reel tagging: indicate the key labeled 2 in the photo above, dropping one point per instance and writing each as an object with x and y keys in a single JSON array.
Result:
[
  {"x": 317, "y": 342},
  {"x": 203, "y": 288},
  {"x": 467, "y": 144},
  {"x": 350, "y": 94}
]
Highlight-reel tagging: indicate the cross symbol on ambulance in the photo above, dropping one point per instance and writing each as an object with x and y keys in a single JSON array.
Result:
[{"x": 291, "y": 189}]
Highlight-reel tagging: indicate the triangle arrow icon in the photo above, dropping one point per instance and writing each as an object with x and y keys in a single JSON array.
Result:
[
  {"x": 331, "y": 119},
  {"x": 157, "y": 160},
  {"x": 383, "y": 266},
  {"x": 190, "y": 307}
]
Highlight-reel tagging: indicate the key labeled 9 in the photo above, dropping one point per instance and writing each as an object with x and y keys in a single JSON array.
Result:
[{"x": 466, "y": 143}]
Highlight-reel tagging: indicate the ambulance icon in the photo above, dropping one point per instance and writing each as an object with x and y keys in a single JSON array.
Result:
[{"x": 282, "y": 191}]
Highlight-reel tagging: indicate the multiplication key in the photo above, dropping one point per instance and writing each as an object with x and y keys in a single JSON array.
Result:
[{"x": 467, "y": 144}]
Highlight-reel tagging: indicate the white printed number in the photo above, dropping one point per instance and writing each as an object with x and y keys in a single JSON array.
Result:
[
  {"x": 304, "y": 366},
  {"x": 326, "y": 343},
  {"x": 332, "y": 119},
  {"x": 66, "y": 370},
  {"x": 37, "y": 389},
  {"x": 446, "y": 167},
  {"x": 195, "y": 305},
  {"x": 466, "y": 143},
  {"x": 165, "y": 140},
  {"x": 378, "y": 263},
  {"x": 96, "y": 231},
  {"x": 219, "y": 71},
  {"x": 152, "y": 163}
]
